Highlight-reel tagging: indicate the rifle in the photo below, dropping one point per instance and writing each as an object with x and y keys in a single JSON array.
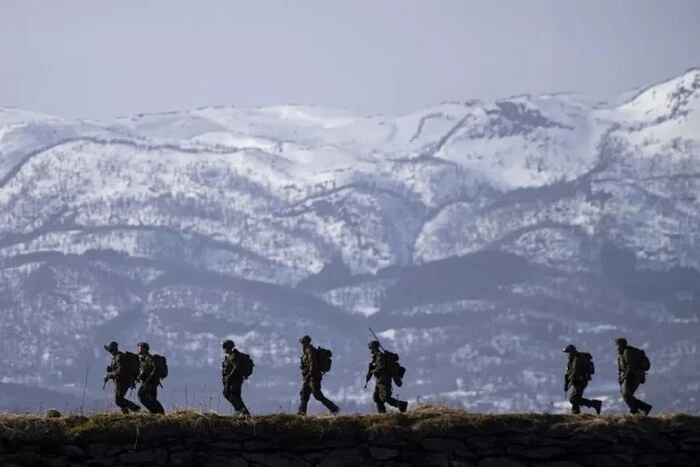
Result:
[
  {"x": 369, "y": 373},
  {"x": 106, "y": 378}
]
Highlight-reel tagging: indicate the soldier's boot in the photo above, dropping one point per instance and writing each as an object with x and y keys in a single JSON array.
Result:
[
  {"x": 597, "y": 405},
  {"x": 394, "y": 402},
  {"x": 245, "y": 411},
  {"x": 590, "y": 403},
  {"x": 403, "y": 405},
  {"x": 645, "y": 408},
  {"x": 158, "y": 407},
  {"x": 132, "y": 407},
  {"x": 125, "y": 410},
  {"x": 329, "y": 404},
  {"x": 381, "y": 407},
  {"x": 333, "y": 408}
]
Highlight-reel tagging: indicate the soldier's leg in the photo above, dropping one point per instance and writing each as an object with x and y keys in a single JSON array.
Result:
[
  {"x": 122, "y": 402},
  {"x": 144, "y": 398},
  {"x": 304, "y": 396},
  {"x": 639, "y": 404},
  {"x": 119, "y": 399},
  {"x": 590, "y": 403},
  {"x": 575, "y": 400},
  {"x": 148, "y": 396},
  {"x": 376, "y": 397},
  {"x": 157, "y": 406},
  {"x": 319, "y": 396},
  {"x": 629, "y": 387},
  {"x": 236, "y": 395},
  {"x": 227, "y": 394},
  {"x": 386, "y": 395}
]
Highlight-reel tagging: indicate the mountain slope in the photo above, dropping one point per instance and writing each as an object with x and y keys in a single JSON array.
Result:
[{"x": 477, "y": 239}]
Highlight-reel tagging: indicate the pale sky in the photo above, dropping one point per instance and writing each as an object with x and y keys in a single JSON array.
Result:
[{"x": 102, "y": 59}]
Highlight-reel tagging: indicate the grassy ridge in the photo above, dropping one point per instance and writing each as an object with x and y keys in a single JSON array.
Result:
[{"x": 426, "y": 421}]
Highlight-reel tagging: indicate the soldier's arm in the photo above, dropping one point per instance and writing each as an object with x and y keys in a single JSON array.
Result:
[
  {"x": 142, "y": 371},
  {"x": 151, "y": 369},
  {"x": 115, "y": 367},
  {"x": 313, "y": 358},
  {"x": 224, "y": 370},
  {"x": 231, "y": 370},
  {"x": 147, "y": 369},
  {"x": 575, "y": 369},
  {"x": 621, "y": 368},
  {"x": 380, "y": 364},
  {"x": 625, "y": 361}
]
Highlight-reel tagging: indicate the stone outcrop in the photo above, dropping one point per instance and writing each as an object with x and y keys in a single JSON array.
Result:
[{"x": 425, "y": 437}]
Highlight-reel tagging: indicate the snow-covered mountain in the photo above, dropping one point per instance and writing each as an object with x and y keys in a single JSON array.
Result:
[{"x": 476, "y": 238}]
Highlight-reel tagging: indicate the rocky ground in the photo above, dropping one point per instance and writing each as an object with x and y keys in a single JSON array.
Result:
[{"x": 427, "y": 435}]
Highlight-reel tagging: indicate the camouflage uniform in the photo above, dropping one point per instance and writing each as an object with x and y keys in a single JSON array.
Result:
[
  {"x": 630, "y": 378},
  {"x": 312, "y": 377},
  {"x": 148, "y": 391},
  {"x": 382, "y": 387},
  {"x": 116, "y": 371},
  {"x": 576, "y": 378},
  {"x": 232, "y": 381}
]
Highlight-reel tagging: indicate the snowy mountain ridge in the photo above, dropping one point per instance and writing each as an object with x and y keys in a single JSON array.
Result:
[{"x": 500, "y": 220}]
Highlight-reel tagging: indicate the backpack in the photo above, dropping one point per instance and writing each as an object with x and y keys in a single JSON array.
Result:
[
  {"x": 161, "y": 363},
  {"x": 640, "y": 361},
  {"x": 132, "y": 367},
  {"x": 587, "y": 366},
  {"x": 324, "y": 359},
  {"x": 244, "y": 364},
  {"x": 395, "y": 369}
]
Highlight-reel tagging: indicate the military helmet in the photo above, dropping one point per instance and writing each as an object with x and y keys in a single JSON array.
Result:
[
  {"x": 305, "y": 340},
  {"x": 569, "y": 348},
  {"x": 373, "y": 345},
  {"x": 112, "y": 347},
  {"x": 144, "y": 345},
  {"x": 227, "y": 344},
  {"x": 621, "y": 342}
]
